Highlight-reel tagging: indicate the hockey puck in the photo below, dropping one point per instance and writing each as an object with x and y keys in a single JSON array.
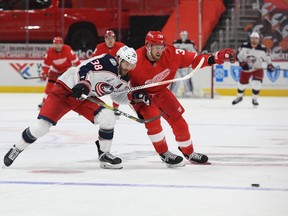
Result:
[{"x": 255, "y": 185}]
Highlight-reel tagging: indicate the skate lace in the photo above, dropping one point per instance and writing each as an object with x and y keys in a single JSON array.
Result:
[
  {"x": 195, "y": 156},
  {"x": 169, "y": 155},
  {"x": 14, "y": 153},
  {"x": 109, "y": 155}
]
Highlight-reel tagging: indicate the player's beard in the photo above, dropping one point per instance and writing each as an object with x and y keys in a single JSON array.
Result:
[
  {"x": 122, "y": 72},
  {"x": 156, "y": 56}
]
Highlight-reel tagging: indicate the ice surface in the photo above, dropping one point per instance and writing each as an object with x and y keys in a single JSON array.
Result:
[{"x": 59, "y": 175}]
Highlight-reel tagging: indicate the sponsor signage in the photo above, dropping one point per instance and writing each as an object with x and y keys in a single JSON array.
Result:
[
  {"x": 227, "y": 76},
  {"x": 32, "y": 51}
]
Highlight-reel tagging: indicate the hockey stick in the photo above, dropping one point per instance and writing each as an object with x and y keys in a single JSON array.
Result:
[
  {"x": 39, "y": 77},
  {"x": 165, "y": 81},
  {"x": 119, "y": 111},
  {"x": 278, "y": 69}
]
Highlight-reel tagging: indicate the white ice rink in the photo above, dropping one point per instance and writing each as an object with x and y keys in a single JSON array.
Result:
[{"x": 59, "y": 175}]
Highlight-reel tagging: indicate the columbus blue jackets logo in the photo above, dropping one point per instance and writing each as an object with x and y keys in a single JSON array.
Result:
[
  {"x": 274, "y": 75},
  {"x": 102, "y": 88},
  {"x": 235, "y": 72},
  {"x": 220, "y": 73}
]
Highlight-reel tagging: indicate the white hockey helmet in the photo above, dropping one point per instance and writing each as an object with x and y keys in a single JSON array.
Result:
[
  {"x": 254, "y": 35},
  {"x": 128, "y": 54}
]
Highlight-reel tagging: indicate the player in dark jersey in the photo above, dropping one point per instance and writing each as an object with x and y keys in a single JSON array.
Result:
[
  {"x": 111, "y": 46},
  {"x": 95, "y": 77},
  {"x": 250, "y": 56}
]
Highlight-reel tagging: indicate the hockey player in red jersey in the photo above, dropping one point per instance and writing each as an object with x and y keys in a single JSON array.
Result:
[
  {"x": 57, "y": 60},
  {"x": 95, "y": 77},
  {"x": 110, "y": 46},
  {"x": 158, "y": 61}
]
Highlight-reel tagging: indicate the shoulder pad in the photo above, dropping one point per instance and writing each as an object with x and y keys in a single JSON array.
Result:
[{"x": 106, "y": 63}]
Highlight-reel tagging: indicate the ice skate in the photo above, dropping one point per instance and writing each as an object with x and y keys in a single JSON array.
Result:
[
  {"x": 195, "y": 157},
  {"x": 237, "y": 100},
  {"x": 107, "y": 160},
  {"x": 188, "y": 94},
  {"x": 172, "y": 160},
  {"x": 40, "y": 105},
  {"x": 255, "y": 102},
  {"x": 11, "y": 155}
]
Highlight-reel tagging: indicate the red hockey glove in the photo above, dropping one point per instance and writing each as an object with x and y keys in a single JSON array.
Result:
[
  {"x": 43, "y": 76},
  {"x": 270, "y": 68},
  {"x": 139, "y": 97},
  {"x": 225, "y": 55},
  {"x": 80, "y": 88},
  {"x": 244, "y": 66}
]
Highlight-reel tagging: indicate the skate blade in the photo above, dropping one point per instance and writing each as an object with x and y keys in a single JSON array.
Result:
[
  {"x": 181, "y": 164},
  {"x": 105, "y": 165},
  {"x": 195, "y": 163},
  {"x": 4, "y": 166}
]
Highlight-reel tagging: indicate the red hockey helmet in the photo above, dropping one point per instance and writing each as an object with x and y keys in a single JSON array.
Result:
[
  {"x": 58, "y": 40},
  {"x": 109, "y": 33},
  {"x": 155, "y": 37}
]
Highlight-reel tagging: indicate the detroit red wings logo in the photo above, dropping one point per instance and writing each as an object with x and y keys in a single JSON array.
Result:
[
  {"x": 159, "y": 77},
  {"x": 102, "y": 88}
]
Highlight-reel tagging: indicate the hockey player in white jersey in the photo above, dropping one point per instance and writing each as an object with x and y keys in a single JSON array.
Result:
[
  {"x": 251, "y": 56},
  {"x": 185, "y": 44},
  {"x": 95, "y": 77}
]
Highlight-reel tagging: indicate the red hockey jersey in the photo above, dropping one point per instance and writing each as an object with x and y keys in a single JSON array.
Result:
[
  {"x": 103, "y": 48},
  {"x": 171, "y": 60},
  {"x": 59, "y": 62}
]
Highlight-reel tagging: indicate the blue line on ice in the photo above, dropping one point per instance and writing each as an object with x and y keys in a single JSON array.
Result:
[{"x": 95, "y": 184}]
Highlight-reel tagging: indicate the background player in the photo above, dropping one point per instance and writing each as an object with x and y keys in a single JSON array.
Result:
[
  {"x": 57, "y": 60},
  {"x": 188, "y": 45},
  {"x": 250, "y": 56}
]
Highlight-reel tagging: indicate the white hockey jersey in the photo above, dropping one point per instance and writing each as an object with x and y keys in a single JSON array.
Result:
[
  {"x": 102, "y": 73},
  {"x": 187, "y": 45},
  {"x": 254, "y": 57}
]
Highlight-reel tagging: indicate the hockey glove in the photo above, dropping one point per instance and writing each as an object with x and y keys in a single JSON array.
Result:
[
  {"x": 270, "y": 68},
  {"x": 139, "y": 97},
  {"x": 80, "y": 88},
  {"x": 244, "y": 66},
  {"x": 43, "y": 76},
  {"x": 224, "y": 55}
]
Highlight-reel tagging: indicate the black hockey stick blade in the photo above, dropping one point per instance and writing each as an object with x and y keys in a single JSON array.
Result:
[
  {"x": 27, "y": 78},
  {"x": 38, "y": 77},
  {"x": 143, "y": 121}
]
